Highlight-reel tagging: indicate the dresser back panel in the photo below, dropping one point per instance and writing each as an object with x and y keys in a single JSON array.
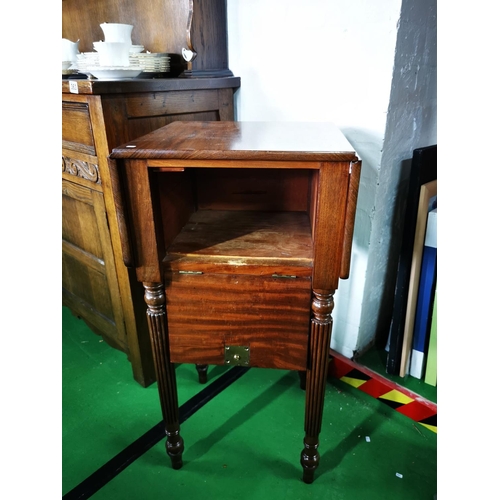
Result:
[
  {"x": 165, "y": 26},
  {"x": 159, "y": 25}
]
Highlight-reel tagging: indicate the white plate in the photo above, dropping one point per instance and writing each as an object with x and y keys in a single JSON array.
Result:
[
  {"x": 114, "y": 73},
  {"x": 136, "y": 49}
]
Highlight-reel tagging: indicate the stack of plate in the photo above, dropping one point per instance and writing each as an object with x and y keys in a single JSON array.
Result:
[
  {"x": 88, "y": 64},
  {"x": 136, "y": 48},
  {"x": 147, "y": 63},
  {"x": 152, "y": 62},
  {"x": 66, "y": 68},
  {"x": 86, "y": 60}
]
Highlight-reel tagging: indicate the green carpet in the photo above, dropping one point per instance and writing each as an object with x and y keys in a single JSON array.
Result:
[{"x": 243, "y": 444}]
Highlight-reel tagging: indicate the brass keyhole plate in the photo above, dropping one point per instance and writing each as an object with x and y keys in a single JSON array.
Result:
[{"x": 238, "y": 355}]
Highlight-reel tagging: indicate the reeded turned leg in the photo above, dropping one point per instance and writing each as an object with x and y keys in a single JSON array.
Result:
[
  {"x": 202, "y": 373},
  {"x": 165, "y": 371},
  {"x": 319, "y": 345}
]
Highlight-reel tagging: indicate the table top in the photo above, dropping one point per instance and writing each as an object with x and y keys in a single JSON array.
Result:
[{"x": 293, "y": 141}]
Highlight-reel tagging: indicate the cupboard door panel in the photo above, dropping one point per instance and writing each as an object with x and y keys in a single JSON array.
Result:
[
  {"x": 79, "y": 226},
  {"x": 77, "y": 128},
  {"x": 89, "y": 280}
]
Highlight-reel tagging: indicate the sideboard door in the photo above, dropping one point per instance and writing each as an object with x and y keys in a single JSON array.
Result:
[{"x": 88, "y": 268}]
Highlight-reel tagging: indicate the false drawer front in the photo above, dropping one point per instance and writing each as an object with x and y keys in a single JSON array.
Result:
[
  {"x": 77, "y": 128},
  {"x": 208, "y": 314},
  {"x": 239, "y": 282}
]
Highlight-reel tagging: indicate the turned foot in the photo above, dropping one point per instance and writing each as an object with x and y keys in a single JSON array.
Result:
[
  {"x": 175, "y": 447},
  {"x": 202, "y": 373},
  {"x": 309, "y": 459}
]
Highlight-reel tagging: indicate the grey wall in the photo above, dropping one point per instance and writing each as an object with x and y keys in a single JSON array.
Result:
[{"x": 411, "y": 123}]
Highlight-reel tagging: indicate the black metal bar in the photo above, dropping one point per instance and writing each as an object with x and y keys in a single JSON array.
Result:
[{"x": 132, "y": 452}]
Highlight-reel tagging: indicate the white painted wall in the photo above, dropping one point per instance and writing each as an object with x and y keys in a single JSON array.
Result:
[{"x": 328, "y": 60}]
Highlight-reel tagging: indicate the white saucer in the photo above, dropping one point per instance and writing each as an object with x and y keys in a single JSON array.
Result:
[{"x": 113, "y": 73}]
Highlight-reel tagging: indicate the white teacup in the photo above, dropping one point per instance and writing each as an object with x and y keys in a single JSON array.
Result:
[
  {"x": 115, "y": 32},
  {"x": 113, "y": 53}
]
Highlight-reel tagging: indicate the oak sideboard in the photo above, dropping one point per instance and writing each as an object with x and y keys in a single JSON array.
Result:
[{"x": 96, "y": 117}]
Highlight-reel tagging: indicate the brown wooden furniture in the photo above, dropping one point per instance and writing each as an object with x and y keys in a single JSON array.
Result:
[
  {"x": 97, "y": 116},
  {"x": 239, "y": 233}
]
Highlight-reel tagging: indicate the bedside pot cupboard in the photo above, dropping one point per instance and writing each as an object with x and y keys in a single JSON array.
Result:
[{"x": 239, "y": 233}]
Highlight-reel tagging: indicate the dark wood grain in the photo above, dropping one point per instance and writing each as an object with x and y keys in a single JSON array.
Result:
[
  {"x": 207, "y": 312},
  {"x": 76, "y": 127},
  {"x": 169, "y": 103},
  {"x": 329, "y": 228},
  {"x": 90, "y": 286},
  {"x": 107, "y": 87},
  {"x": 146, "y": 235},
  {"x": 154, "y": 296},
  {"x": 317, "y": 370},
  {"x": 352, "y": 199},
  {"x": 121, "y": 216},
  {"x": 253, "y": 189},
  {"x": 177, "y": 201},
  {"x": 265, "y": 141},
  {"x": 248, "y": 237},
  {"x": 160, "y": 26},
  {"x": 208, "y": 36}
]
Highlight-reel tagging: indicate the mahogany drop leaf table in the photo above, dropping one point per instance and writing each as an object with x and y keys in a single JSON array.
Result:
[{"x": 239, "y": 233}]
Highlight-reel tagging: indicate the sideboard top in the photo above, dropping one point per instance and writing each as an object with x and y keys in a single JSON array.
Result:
[
  {"x": 96, "y": 87},
  {"x": 292, "y": 141}
]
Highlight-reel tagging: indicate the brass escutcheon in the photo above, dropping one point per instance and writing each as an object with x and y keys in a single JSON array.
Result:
[{"x": 237, "y": 355}]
